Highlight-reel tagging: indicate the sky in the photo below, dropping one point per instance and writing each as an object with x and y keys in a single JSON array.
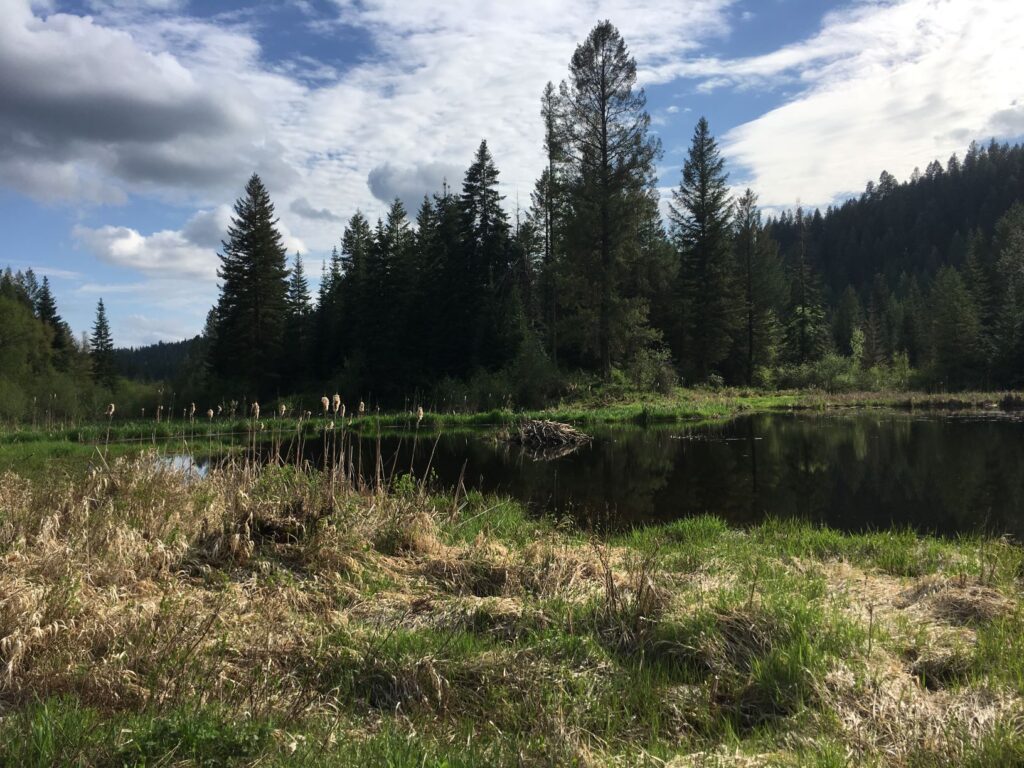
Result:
[{"x": 129, "y": 127}]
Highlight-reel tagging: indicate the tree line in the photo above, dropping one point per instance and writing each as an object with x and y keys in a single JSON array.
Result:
[
  {"x": 46, "y": 374},
  {"x": 919, "y": 283},
  {"x": 589, "y": 278}
]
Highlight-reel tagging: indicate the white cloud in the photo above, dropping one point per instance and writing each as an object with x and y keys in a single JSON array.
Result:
[
  {"x": 887, "y": 86},
  {"x": 165, "y": 253},
  {"x": 189, "y": 253},
  {"x": 96, "y": 108},
  {"x": 141, "y": 99}
]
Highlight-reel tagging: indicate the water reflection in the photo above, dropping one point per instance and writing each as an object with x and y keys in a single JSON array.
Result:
[{"x": 853, "y": 472}]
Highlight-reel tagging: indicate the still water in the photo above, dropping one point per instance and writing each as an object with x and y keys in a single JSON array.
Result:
[{"x": 871, "y": 470}]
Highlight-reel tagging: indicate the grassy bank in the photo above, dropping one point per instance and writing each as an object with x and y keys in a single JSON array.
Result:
[
  {"x": 280, "y": 618},
  {"x": 596, "y": 407}
]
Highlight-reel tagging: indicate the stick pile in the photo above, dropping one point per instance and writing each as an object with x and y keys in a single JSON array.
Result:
[{"x": 538, "y": 434}]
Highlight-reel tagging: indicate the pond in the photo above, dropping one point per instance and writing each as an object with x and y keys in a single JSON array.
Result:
[{"x": 867, "y": 471}]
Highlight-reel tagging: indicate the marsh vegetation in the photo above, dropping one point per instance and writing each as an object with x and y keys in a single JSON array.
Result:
[{"x": 274, "y": 614}]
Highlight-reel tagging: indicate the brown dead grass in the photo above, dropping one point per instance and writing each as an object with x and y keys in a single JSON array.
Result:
[
  {"x": 904, "y": 699},
  {"x": 135, "y": 588}
]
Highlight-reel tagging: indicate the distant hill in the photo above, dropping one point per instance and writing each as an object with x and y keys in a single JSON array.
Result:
[
  {"x": 912, "y": 228},
  {"x": 162, "y": 361}
]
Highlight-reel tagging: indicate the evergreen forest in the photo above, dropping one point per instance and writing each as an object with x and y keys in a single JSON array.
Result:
[{"x": 464, "y": 303}]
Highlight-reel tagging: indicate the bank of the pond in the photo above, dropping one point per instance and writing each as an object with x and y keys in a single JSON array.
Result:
[
  {"x": 276, "y": 617},
  {"x": 598, "y": 407}
]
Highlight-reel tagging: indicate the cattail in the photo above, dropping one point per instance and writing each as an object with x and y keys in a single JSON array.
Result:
[
  {"x": 325, "y": 403},
  {"x": 336, "y": 402},
  {"x": 343, "y": 410},
  {"x": 362, "y": 407},
  {"x": 255, "y": 410},
  {"x": 220, "y": 409},
  {"x": 282, "y": 409},
  {"x": 209, "y": 414},
  {"x": 191, "y": 410},
  {"x": 110, "y": 411},
  {"x": 419, "y": 415}
]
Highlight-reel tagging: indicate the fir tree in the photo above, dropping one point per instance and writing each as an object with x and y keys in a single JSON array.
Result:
[
  {"x": 603, "y": 131},
  {"x": 709, "y": 295},
  {"x": 847, "y": 318},
  {"x": 956, "y": 331},
  {"x": 101, "y": 349},
  {"x": 763, "y": 288},
  {"x": 806, "y": 331},
  {"x": 297, "y": 323},
  {"x": 253, "y": 304},
  {"x": 488, "y": 253},
  {"x": 46, "y": 305}
]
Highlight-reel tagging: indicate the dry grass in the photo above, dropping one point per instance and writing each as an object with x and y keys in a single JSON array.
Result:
[{"x": 399, "y": 622}]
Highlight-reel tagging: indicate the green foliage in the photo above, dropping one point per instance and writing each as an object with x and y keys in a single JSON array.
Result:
[
  {"x": 651, "y": 370},
  {"x": 101, "y": 349},
  {"x": 709, "y": 293},
  {"x": 603, "y": 127},
  {"x": 251, "y": 311}
]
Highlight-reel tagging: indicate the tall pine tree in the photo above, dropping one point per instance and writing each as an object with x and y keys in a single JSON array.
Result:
[
  {"x": 101, "y": 349},
  {"x": 253, "y": 306},
  {"x": 709, "y": 295},
  {"x": 604, "y": 133}
]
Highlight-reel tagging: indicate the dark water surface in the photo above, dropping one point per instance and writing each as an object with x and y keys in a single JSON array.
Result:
[{"x": 870, "y": 470}]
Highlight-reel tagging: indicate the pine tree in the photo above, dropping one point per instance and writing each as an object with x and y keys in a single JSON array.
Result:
[
  {"x": 253, "y": 305},
  {"x": 101, "y": 349},
  {"x": 806, "y": 331},
  {"x": 763, "y": 288},
  {"x": 603, "y": 130},
  {"x": 548, "y": 212},
  {"x": 709, "y": 295},
  {"x": 956, "y": 331},
  {"x": 298, "y": 331},
  {"x": 488, "y": 253}
]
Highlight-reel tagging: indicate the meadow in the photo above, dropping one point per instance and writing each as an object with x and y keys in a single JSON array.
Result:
[{"x": 279, "y": 615}]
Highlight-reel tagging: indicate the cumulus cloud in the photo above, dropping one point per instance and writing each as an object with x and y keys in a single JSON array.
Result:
[
  {"x": 886, "y": 86},
  {"x": 410, "y": 183},
  {"x": 188, "y": 253},
  {"x": 302, "y": 207},
  {"x": 166, "y": 252},
  {"x": 90, "y": 110}
]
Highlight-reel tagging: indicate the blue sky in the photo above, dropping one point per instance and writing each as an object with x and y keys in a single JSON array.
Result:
[{"x": 128, "y": 128}]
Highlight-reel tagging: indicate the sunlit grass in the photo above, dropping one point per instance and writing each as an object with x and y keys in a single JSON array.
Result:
[{"x": 273, "y": 616}]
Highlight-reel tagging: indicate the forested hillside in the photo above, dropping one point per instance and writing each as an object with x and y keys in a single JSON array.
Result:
[
  {"x": 464, "y": 304},
  {"x": 162, "y": 361},
  {"x": 46, "y": 375}
]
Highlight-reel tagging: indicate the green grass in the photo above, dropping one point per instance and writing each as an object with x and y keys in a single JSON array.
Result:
[
  {"x": 269, "y": 619},
  {"x": 597, "y": 407}
]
